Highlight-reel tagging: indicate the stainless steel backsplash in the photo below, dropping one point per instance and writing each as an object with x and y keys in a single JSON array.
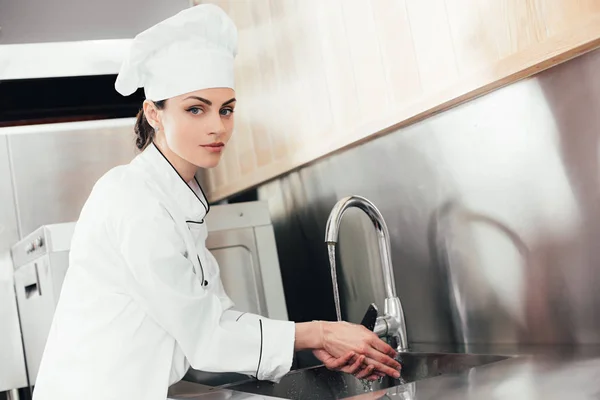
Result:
[{"x": 493, "y": 209}]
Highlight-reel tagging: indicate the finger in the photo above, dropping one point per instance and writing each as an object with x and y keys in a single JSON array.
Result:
[
  {"x": 383, "y": 368},
  {"x": 337, "y": 363},
  {"x": 373, "y": 377},
  {"x": 327, "y": 359},
  {"x": 359, "y": 363},
  {"x": 368, "y": 371},
  {"x": 383, "y": 358},
  {"x": 376, "y": 375},
  {"x": 379, "y": 374},
  {"x": 383, "y": 347},
  {"x": 324, "y": 357}
]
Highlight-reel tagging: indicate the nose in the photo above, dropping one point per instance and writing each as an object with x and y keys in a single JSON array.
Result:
[{"x": 216, "y": 125}]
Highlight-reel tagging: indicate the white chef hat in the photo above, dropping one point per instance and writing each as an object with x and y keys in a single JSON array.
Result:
[{"x": 190, "y": 51}]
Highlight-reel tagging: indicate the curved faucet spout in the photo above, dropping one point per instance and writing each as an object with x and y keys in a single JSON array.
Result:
[
  {"x": 383, "y": 236},
  {"x": 393, "y": 320}
]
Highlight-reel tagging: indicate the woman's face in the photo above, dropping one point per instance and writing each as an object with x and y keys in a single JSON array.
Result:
[{"x": 198, "y": 125}]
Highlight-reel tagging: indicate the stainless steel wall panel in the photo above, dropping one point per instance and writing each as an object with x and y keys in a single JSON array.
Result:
[
  {"x": 9, "y": 232},
  {"x": 493, "y": 209},
  {"x": 12, "y": 359},
  {"x": 56, "y": 166}
]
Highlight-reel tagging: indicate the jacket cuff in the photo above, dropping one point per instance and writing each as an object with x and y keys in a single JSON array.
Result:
[{"x": 277, "y": 349}]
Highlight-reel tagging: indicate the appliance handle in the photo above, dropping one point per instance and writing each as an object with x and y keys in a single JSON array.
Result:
[{"x": 34, "y": 288}]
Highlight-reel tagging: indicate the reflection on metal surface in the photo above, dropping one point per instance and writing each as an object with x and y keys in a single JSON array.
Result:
[
  {"x": 523, "y": 269},
  {"x": 322, "y": 384},
  {"x": 450, "y": 221},
  {"x": 392, "y": 322}
]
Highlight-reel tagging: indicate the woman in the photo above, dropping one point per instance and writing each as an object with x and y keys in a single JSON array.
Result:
[{"x": 142, "y": 299}]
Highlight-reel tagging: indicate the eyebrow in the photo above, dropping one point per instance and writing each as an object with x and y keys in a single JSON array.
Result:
[{"x": 208, "y": 102}]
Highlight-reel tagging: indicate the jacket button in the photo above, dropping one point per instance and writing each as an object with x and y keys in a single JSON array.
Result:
[{"x": 205, "y": 283}]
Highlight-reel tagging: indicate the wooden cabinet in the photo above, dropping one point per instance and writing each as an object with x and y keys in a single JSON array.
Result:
[{"x": 316, "y": 76}]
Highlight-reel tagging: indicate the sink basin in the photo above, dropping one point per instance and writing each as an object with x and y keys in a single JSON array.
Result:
[
  {"x": 213, "y": 379},
  {"x": 319, "y": 383}
]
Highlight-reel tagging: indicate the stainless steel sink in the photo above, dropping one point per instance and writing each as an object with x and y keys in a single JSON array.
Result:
[{"x": 319, "y": 383}]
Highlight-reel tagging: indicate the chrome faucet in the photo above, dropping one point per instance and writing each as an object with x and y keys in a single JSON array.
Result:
[{"x": 391, "y": 324}]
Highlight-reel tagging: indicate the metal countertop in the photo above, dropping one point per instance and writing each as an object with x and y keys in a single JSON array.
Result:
[{"x": 534, "y": 372}]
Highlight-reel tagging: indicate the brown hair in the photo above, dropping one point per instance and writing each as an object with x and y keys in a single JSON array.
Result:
[{"x": 144, "y": 132}]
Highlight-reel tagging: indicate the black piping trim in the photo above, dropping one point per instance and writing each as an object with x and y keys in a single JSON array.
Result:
[
  {"x": 205, "y": 205},
  {"x": 203, "y": 195},
  {"x": 240, "y": 316},
  {"x": 261, "y": 347},
  {"x": 202, "y": 270}
]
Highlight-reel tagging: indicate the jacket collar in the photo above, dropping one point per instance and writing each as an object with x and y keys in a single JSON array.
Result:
[{"x": 163, "y": 173}]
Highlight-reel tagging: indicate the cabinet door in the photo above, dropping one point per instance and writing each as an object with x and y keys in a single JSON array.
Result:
[{"x": 236, "y": 253}]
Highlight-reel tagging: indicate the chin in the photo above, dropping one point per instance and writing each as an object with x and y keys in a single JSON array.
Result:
[{"x": 209, "y": 163}]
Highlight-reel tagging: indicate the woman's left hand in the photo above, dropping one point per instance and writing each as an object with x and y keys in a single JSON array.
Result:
[{"x": 351, "y": 363}]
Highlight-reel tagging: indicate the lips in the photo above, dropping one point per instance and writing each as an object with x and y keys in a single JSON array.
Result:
[
  {"x": 214, "y": 147},
  {"x": 218, "y": 144}
]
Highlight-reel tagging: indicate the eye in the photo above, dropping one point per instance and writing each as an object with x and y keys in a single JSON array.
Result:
[
  {"x": 195, "y": 110},
  {"x": 226, "y": 112}
]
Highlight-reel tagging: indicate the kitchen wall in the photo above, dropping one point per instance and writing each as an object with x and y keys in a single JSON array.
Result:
[
  {"x": 316, "y": 76},
  {"x": 493, "y": 210}
]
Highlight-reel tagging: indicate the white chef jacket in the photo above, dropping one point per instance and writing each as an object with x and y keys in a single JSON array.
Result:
[{"x": 142, "y": 299}]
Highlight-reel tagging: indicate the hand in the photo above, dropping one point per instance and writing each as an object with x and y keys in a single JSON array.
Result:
[
  {"x": 350, "y": 363},
  {"x": 340, "y": 338}
]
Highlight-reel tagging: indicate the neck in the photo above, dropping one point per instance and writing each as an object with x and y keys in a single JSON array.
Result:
[{"x": 184, "y": 168}]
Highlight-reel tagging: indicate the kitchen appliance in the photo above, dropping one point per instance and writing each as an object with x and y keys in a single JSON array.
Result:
[
  {"x": 242, "y": 239},
  {"x": 240, "y": 236},
  {"x": 40, "y": 261}
]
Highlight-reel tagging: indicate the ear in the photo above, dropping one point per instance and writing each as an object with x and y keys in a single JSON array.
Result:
[{"x": 152, "y": 114}]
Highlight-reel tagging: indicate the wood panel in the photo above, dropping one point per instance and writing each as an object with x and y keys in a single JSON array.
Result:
[
  {"x": 431, "y": 35},
  {"x": 337, "y": 66},
  {"x": 314, "y": 77},
  {"x": 397, "y": 50}
]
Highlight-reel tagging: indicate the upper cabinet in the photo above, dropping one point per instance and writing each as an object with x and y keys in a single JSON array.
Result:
[{"x": 315, "y": 76}]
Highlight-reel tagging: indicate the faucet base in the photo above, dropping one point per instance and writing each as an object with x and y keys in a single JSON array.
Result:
[{"x": 397, "y": 325}]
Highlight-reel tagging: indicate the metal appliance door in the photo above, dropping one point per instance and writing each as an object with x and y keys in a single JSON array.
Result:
[
  {"x": 237, "y": 255},
  {"x": 12, "y": 361},
  {"x": 35, "y": 296}
]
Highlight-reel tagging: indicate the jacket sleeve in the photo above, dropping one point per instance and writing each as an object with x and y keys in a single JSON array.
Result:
[{"x": 162, "y": 281}]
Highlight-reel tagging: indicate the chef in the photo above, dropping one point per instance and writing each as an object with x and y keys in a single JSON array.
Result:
[{"x": 142, "y": 300}]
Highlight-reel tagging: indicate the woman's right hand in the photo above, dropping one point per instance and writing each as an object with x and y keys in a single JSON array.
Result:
[
  {"x": 351, "y": 364},
  {"x": 341, "y": 338}
]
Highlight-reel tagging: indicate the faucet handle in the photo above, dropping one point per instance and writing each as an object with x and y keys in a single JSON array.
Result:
[{"x": 370, "y": 317}]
